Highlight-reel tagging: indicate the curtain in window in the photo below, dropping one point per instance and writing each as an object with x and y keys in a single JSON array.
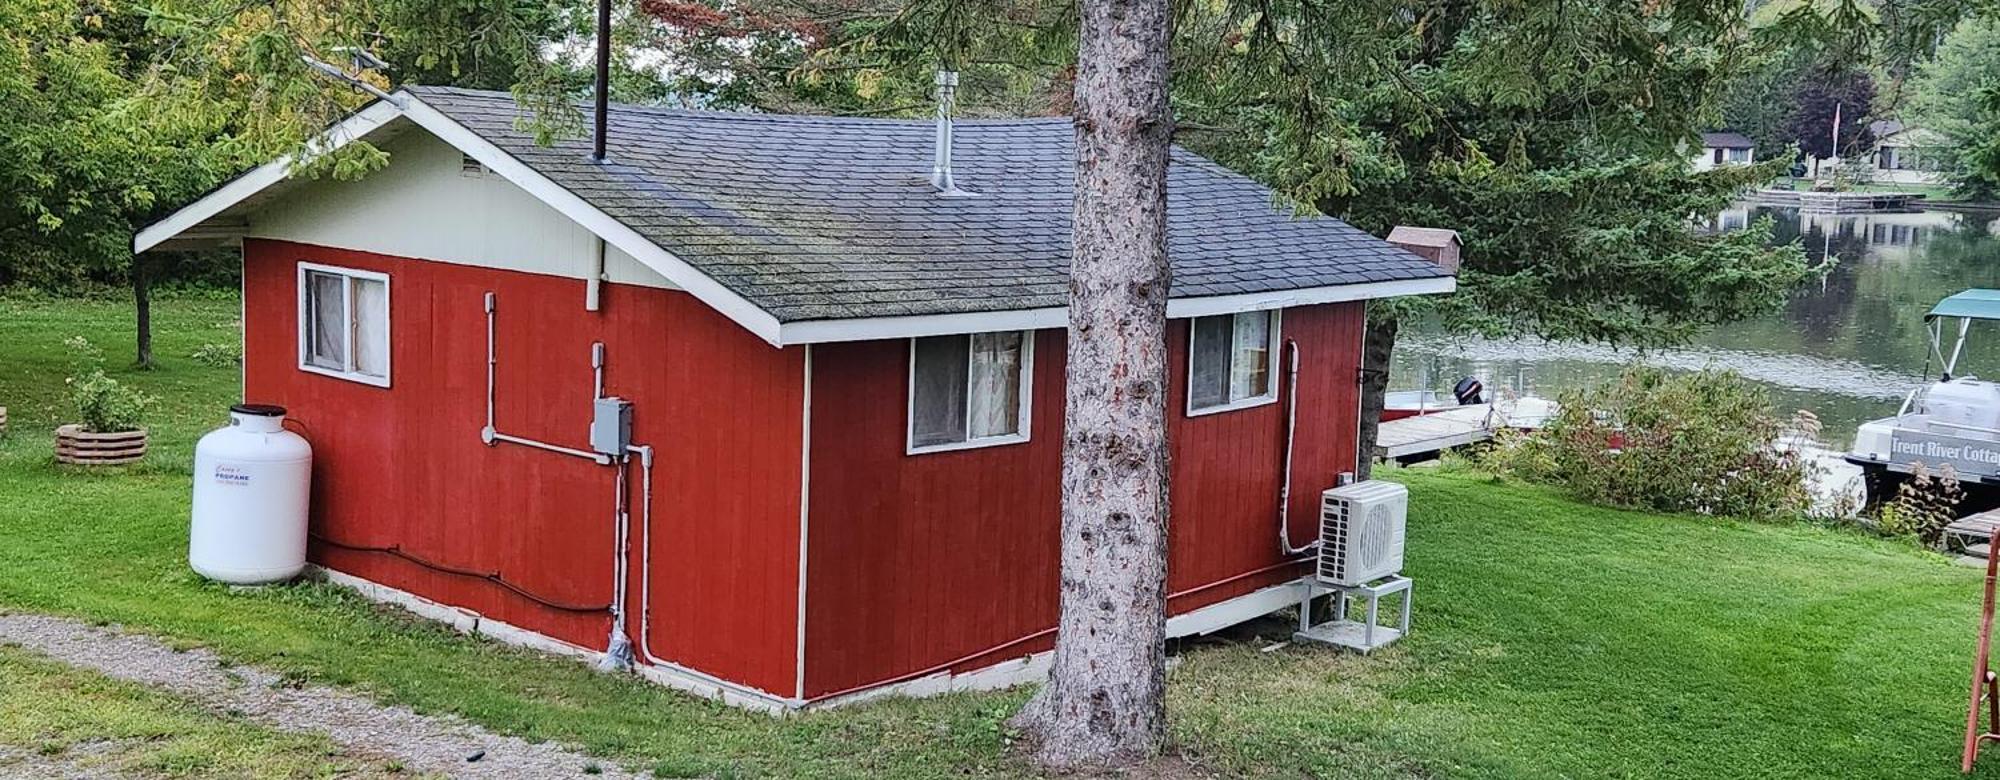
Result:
[
  {"x": 326, "y": 318},
  {"x": 937, "y": 392},
  {"x": 1208, "y": 366},
  {"x": 1250, "y": 367},
  {"x": 996, "y": 384},
  {"x": 371, "y": 327}
]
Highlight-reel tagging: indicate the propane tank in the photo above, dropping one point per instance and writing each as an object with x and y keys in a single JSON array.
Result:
[{"x": 252, "y": 479}]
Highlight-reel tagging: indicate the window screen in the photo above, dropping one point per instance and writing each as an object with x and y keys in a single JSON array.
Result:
[
  {"x": 1230, "y": 358},
  {"x": 965, "y": 389},
  {"x": 326, "y": 319},
  {"x": 344, "y": 323}
]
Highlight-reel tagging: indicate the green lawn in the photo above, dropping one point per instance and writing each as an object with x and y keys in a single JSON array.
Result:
[{"x": 1551, "y": 639}]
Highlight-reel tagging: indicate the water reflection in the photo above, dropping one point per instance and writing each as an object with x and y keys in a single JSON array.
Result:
[{"x": 1848, "y": 348}]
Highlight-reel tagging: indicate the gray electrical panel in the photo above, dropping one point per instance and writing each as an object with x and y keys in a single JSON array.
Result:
[{"x": 611, "y": 425}]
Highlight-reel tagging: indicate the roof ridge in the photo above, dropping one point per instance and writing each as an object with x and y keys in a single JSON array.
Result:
[{"x": 742, "y": 116}]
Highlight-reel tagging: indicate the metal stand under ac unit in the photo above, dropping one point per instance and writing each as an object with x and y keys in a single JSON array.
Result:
[{"x": 1363, "y": 636}]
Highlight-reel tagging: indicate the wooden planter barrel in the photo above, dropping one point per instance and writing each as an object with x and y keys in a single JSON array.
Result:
[{"x": 76, "y": 446}]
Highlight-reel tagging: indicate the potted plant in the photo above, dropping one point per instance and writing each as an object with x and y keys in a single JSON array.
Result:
[{"x": 110, "y": 433}]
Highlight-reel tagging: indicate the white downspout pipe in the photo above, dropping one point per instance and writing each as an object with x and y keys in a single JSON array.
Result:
[
  {"x": 593, "y": 285},
  {"x": 1291, "y": 430}
]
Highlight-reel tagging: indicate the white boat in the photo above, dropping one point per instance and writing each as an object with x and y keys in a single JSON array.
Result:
[{"x": 1953, "y": 421}]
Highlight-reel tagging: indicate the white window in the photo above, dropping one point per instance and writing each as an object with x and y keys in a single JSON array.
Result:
[
  {"x": 344, "y": 323},
  {"x": 1739, "y": 155},
  {"x": 1230, "y": 360},
  {"x": 970, "y": 390}
]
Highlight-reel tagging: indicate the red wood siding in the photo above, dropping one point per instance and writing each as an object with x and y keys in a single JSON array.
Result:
[
  {"x": 949, "y": 560},
  {"x": 404, "y": 465}
]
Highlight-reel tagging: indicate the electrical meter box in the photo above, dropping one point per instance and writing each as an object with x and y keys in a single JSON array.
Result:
[{"x": 611, "y": 425}]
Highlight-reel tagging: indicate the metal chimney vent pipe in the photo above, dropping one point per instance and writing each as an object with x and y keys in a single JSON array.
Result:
[{"x": 947, "y": 88}]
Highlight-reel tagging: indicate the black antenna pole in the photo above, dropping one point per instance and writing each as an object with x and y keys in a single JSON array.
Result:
[{"x": 603, "y": 76}]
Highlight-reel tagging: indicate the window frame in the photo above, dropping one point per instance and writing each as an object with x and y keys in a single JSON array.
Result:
[
  {"x": 1023, "y": 412},
  {"x": 1273, "y": 347},
  {"x": 349, "y": 276}
]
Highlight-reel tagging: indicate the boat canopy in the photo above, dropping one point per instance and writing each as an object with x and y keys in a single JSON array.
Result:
[{"x": 1972, "y": 304}]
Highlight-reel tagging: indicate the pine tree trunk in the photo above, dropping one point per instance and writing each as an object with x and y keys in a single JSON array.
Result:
[
  {"x": 1378, "y": 345},
  {"x": 142, "y": 299},
  {"x": 1105, "y": 702}
]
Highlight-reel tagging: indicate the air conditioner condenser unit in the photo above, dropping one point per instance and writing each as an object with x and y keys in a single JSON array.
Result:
[{"x": 1361, "y": 532}]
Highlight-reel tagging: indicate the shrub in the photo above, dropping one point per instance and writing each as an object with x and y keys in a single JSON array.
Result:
[
  {"x": 104, "y": 405},
  {"x": 218, "y": 355},
  {"x": 1923, "y": 505},
  {"x": 1698, "y": 442}
]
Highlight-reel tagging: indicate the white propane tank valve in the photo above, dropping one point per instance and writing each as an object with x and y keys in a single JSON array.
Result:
[{"x": 252, "y": 481}]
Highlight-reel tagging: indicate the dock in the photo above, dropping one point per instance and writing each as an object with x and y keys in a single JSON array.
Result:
[
  {"x": 1812, "y": 202},
  {"x": 1424, "y": 436},
  {"x": 1969, "y": 535}
]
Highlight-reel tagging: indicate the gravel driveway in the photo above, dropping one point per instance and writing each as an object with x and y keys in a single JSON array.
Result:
[{"x": 426, "y": 744}]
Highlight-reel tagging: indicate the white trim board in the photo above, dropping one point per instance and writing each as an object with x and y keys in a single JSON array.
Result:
[
  {"x": 915, "y": 326},
  {"x": 614, "y": 232},
  {"x": 699, "y": 284},
  {"x": 467, "y": 621},
  {"x": 1034, "y": 667},
  {"x": 1003, "y": 674}
]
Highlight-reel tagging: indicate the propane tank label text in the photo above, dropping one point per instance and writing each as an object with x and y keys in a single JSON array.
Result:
[
  {"x": 1933, "y": 450},
  {"x": 231, "y": 475}
]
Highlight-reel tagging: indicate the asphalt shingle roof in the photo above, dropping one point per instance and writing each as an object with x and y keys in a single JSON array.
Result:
[{"x": 835, "y": 218}]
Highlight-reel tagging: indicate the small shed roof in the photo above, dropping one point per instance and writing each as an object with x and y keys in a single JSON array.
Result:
[
  {"x": 1975, "y": 303},
  {"x": 1406, "y": 235},
  {"x": 1727, "y": 140}
]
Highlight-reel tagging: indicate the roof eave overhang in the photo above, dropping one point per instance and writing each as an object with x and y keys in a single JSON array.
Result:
[
  {"x": 915, "y": 326},
  {"x": 192, "y": 220}
]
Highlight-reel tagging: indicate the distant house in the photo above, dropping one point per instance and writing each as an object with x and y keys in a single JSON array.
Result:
[
  {"x": 848, "y": 377},
  {"x": 1724, "y": 148},
  {"x": 1906, "y": 155}
]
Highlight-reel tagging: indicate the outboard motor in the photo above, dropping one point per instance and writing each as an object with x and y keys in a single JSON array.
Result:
[{"x": 1469, "y": 392}]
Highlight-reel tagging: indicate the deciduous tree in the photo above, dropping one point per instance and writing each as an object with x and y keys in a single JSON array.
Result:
[{"x": 1957, "y": 96}]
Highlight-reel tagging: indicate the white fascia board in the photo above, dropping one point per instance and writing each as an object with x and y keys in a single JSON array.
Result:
[
  {"x": 363, "y": 122},
  {"x": 618, "y": 234},
  {"x": 873, "y": 328},
  {"x": 1183, "y": 308}
]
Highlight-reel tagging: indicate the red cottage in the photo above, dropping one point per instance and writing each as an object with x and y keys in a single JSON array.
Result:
[{"x": 834, "y": 390}]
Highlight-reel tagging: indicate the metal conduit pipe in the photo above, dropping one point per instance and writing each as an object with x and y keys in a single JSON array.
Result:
[
  {"x": 491, "y": 433},
  {"x": 1291, "y": 430},
  {"x": 645, "y": 643},
  {"x": 617, "y": 648}
]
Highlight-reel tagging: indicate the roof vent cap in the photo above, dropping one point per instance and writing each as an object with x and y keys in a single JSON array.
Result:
[{"x": 947, "y": 88}]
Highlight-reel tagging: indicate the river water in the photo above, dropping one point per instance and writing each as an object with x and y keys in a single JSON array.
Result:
[{"x": 1848, "y": 348}]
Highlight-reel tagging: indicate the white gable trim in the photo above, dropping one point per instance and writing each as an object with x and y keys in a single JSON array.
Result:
[
  {"x": 380, "y": 113},
  {"x": 872, "y": 328},
  {"x": 353, "y": 128},
  {"x": 614, "y": 232}
]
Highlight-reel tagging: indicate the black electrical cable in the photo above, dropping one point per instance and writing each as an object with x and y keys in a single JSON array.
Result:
[{"x": 493, "y": 577}]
